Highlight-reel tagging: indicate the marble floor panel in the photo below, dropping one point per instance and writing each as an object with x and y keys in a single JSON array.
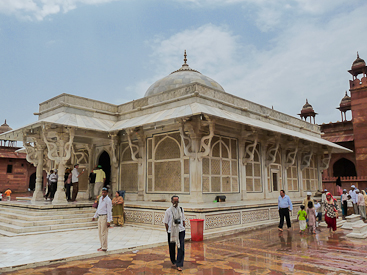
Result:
[{"x": 263, "y": 251}]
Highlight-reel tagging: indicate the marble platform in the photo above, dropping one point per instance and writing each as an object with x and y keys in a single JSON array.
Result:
[
  {"x": 351, "y": 221},
  {"x": 359, "y": 231}
]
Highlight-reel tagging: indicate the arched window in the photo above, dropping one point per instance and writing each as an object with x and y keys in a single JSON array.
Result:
[
  {"x": 310, "y": 176},
  {"x": 168, "y": 167},
  {"x": 344, "y": 168},
  {"x": 253, "y": 173},
  {"x": 220, "y": 168}
]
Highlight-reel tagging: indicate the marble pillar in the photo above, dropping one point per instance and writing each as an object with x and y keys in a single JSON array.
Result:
[
  {"x": 60, "y": 197},
  {"x": 38, "y": 192}
]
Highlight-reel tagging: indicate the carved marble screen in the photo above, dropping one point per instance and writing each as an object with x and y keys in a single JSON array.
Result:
[
  {"x": 253, "y": 173},
  {"x": 129, "y": 170},
  {"x": 309, "y": 176},
  {"x": 292, "y": 177},
  {"x": 220, "y": 168},
  {"x": 168, "y": 169},
  {"x": 275, "y": 174}
]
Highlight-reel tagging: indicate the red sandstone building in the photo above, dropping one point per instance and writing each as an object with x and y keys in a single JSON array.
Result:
[
  {"x": 352, "y": 134},
  {"x": 16, "y": 172}
]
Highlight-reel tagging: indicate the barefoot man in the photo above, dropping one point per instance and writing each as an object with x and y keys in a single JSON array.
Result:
[
  {"x": 284, "y": 207},
  {"x": 104, "y": 214}
]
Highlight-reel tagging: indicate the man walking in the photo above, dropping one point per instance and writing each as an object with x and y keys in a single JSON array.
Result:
[
  {"x": 100, "y": 180},
  {"x": 284, "y": 207},
  {"x": 174, "y": 221},
  {"x": 75, "y": 181},
  {"x": 92, "y": 181},
  {"x": 104, "y": 215},
  {"x": 307, "y": 199}
]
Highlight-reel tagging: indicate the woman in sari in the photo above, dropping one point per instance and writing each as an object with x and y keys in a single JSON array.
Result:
[
  {"x": 118, "y": 210},
  {"x": 331, "y": 211}
]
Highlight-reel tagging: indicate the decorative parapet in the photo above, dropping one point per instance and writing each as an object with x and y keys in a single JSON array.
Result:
[
  {"x": 351, "y": 179},
  {"x": 356, "y": 83}
]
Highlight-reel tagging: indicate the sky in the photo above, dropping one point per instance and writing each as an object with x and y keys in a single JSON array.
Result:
[{"x": 274, "y": 53}]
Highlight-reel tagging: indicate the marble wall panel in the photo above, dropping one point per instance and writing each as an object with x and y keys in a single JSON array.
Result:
[
  {"x": 253, "y": 216},
  {"x": 222, "y": 220},
  {"x": 139, "y": 216},
  {"x": 274, "y": 213}
]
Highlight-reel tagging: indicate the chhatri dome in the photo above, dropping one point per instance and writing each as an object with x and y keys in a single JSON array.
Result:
[
  {"x": 5, "y": 128},
  {"x": 183, "y": 76}
]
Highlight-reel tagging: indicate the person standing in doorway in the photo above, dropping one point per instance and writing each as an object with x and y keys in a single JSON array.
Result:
[
  {"x": 100, "y": 180},
  {"x": 284, "y": 207},
  {"x": 53, "y": 179},
  {"x": 174, "y": 221},
  {"x": 92, "y": 181},
  {"x": 104, "y": 215},
  {"x": 75, "y": 181}
]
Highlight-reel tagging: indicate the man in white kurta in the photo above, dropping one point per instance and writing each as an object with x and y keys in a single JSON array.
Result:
[{"x": 104, "y": 215}]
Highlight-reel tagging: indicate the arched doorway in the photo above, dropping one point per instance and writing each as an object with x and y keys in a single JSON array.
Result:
[
  {"x": 344, "y": 168},
  {"x": 105, "y": 162},
  {"x": 32, "y": 181}
]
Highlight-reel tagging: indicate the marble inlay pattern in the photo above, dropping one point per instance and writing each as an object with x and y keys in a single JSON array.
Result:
[
  {"x": 158, "y": 218},
  {"x": 253, "y": 216},
  {"x": 222, "y": 220},
  {"x": 139, "y": 216},
  {"x": 274, "y": 213}
]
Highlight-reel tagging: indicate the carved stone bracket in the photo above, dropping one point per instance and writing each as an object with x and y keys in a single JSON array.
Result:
[
  {"x": 325, "y": 160},
  {"x": 248, "y": 145},
  {"x": 33, "y": 147},
  {"x": 135, "y": 149},
  {"x": 198, "y": 146},
  {"x": 306, "y": 158},
  {"x": 81, "y": 154},
  {"x": 271, "y": 152},
  {"x": 31, "y": 151},
  {"x": 59, "y": 144},
  {"x": 291, "y": 153}
]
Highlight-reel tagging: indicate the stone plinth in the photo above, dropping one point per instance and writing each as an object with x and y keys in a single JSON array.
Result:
[
  {"x": 359, "y": 231},
  {"x": 352, "y": 221}
]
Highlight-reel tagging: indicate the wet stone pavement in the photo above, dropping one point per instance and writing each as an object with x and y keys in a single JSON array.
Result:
[{"x": 264, "y": 251}]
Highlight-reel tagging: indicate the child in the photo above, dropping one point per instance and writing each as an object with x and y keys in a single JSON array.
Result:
[
  {"x": 8, "y": 193},
  {"x": 350, "y": 207},
  {"x": 311, "y": 215},
  {"x": 301, "y": 217},
  {"x": 318, "y": 210}
]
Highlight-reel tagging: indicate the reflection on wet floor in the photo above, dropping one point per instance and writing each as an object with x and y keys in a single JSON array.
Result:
[{"x": 263, "y": 251}]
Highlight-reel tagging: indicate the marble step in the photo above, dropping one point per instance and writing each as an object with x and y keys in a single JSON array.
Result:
[
  {"x": 33, "y": 212},
  {"x": 22, "y": 223},
  {"x": 19, "y": 229},
  {"x": 11, "y": 234},
  {"x": 26, "y": 217}
]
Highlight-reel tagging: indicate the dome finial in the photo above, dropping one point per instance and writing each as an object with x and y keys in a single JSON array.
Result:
[
  {"x": 306, "y": 101},
  {"x": 357, "y": 54},
  {"x": 185, "y": 57},
  {"x": 346, "y": 93}
]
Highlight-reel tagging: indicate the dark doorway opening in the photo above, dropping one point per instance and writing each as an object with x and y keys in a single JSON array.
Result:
[
  {"x": 32, "y": 181},
  {"x": 344, "y": 168},
  {"x": 105, "y": 162}
]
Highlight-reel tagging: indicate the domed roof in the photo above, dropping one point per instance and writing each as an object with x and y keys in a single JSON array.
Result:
[
  {"x": 346, "y": 99},
  {"x": 307, "y": 108},
  {"x": 5, "y": 128},
  {"x": 183, "y": 76},
  {"x": 358, "y": 63}
]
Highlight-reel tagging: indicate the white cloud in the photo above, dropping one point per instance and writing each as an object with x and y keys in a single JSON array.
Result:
[
  {"x": 39, "y": 9},
  {"x": 309, "y": 60}
]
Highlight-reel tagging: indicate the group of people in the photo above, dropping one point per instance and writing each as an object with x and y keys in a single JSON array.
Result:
[
  {"x": 310, "y": 213},
  {"x": 354, "y": 202},
  {"x": 111, "y": 211}
]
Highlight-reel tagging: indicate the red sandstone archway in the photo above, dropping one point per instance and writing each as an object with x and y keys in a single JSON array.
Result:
[{"x": 344, "y": 168}]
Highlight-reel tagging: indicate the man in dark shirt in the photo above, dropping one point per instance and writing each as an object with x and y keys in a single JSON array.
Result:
[{"x": 92, "y": 181}]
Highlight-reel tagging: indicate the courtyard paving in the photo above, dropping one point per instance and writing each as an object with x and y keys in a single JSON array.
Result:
[{"x": 264, "y": 251}]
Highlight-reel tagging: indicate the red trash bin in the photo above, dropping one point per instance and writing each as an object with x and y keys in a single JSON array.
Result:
[{"x": 197, "y": 230}]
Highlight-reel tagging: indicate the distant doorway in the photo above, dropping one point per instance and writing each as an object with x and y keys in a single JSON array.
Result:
[
  {"x": 32, "y": 181},
  {"x": 105, "y": 162},
  {"x": 344, "y": 168}
]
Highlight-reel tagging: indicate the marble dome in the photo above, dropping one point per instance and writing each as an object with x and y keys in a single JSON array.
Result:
[{"x": 183, "y": 76}]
